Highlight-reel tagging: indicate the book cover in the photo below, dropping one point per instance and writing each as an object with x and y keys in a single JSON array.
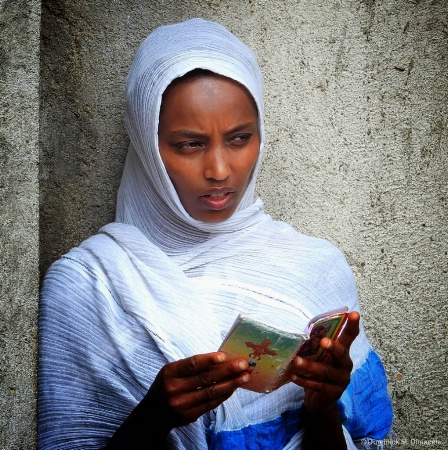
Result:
[{"x": 270, "y": 350}]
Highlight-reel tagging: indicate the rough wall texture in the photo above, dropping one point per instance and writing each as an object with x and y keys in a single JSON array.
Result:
[
  {"x": 356, "y": 101},
  {"x": 19, "y": 200},
  {"x": 364, "y": 163}
]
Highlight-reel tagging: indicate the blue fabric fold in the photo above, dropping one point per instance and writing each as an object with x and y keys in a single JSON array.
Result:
[
  {"x": 272, "y": 435},
  {"x": 365, "y": 406}
]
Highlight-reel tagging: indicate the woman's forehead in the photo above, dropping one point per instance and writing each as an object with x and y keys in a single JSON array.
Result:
[
  {"x": 198, "y": 84},
  {"x": 207, "y": 102}
]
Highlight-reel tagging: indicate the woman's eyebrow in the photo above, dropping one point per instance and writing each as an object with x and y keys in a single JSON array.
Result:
[
  {"x": 189, "y": 134},
  {"x": 242, "y": 126}
]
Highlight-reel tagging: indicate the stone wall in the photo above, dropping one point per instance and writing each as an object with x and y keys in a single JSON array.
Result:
[
  {"x": 19, "y": 220},
  {"x": 356, "y": 114}
]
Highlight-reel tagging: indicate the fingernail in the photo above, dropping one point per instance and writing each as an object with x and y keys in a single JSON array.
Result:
[
  {"x": 242, "y": 365},
  {"x": 221, "y": 357},
  {"x": 294, "y": 377},
  {"x": 299, "y": 361},
  {"x": 246, "y": 377}
]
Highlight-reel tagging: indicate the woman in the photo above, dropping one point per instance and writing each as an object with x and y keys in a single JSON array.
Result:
[{"x": 132, "y": 318}]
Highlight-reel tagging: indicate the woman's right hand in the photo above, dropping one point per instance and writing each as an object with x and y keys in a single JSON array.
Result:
[
  {"x": 183, "y": 391},
  {"x": 186, "y": 389}
]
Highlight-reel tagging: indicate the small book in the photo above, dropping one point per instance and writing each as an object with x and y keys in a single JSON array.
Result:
[{"x": 270, "y": 350}]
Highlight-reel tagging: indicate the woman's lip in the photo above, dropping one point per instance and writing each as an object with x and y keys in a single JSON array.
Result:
[
  {"x": 216, "y": 191},
  {"x": 216, "y": 199}
]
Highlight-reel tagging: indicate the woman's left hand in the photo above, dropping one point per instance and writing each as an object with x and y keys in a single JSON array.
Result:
[{"x": 329, "y": 378}]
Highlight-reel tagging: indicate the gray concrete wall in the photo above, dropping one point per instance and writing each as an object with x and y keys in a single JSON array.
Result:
[
  {"x": 356, "y": 110},
  {"x": 19, "y": 226}
]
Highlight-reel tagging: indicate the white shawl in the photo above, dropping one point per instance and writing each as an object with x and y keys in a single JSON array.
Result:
[{"x": 115, "y": 309}]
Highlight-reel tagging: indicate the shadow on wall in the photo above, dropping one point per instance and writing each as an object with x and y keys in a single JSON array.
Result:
[{"x": 83, "y": 140}]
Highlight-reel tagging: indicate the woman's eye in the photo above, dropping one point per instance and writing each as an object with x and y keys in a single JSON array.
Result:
[
  {"x": 241, "y": 139},
  {"x": 189, "y": 146}
]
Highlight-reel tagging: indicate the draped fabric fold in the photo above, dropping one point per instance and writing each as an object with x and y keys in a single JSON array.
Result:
[{"x": 106, "y": 329}]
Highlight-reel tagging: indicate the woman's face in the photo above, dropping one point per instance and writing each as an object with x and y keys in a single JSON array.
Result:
[{"x": 209, "y": 142}]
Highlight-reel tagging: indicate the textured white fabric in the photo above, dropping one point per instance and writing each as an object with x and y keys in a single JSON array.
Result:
[
  {"x": 115, "y": 309},
  {"x": 159, "y": 285}
]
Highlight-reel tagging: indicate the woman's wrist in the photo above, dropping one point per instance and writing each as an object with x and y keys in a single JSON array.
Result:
[
  {"x": 146, "y": 426},
  {"x": 322, "y": 429},
  {"x": 330, "y": 412}
]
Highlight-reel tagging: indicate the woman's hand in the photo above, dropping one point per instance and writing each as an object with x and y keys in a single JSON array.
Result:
[
  {"x": 330, "y": 377},
  {"x": 324, "y": 385},
  {"x": 183, "y": 391},
  {"x": 186, "y": 389}
]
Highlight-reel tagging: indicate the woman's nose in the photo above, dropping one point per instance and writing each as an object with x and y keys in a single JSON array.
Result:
[{"x": 216, "y": 163}]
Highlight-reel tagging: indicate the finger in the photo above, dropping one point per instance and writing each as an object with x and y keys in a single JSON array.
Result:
[
  {"x": 197, "y": 410},
  {"x": 188, "y": 408},
  {"x": 194, "y": 364},
  {"x": 204, "y": 399},
  {"x": 220, "y": 372},
  {"x": 328, "y": 390},
  {"x": 351, "y": 329},
  {"x": 326, "y": 373},
  {"x": 336, "y": 353},
  {"x": 219, "y": 389},
  {"x": 339, "y": 349}
]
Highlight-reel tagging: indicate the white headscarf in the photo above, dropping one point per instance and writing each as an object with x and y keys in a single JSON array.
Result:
[{"x": 147, "y": 198}]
